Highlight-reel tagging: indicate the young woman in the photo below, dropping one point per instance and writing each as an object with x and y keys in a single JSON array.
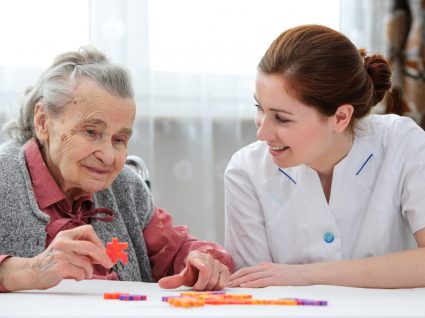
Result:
[{"x": 329, "y": 194}]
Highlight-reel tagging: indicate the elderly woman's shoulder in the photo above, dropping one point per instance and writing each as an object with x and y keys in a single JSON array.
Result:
[
  {"x": 10, "y": 147},
  {"x": 9, "y": 152},
  {"x": 128, "y": 178},
  {"x": 12, "y": 162}
]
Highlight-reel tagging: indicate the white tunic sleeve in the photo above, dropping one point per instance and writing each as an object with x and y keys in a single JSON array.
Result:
[
  {"x": 245, "y": 235},
  {"x": 412, "y": 152}
]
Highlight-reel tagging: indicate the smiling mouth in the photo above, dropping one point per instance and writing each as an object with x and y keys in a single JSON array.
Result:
[
  {"x": 98, "y": 171},
  {"x": 279, "y": 148}
]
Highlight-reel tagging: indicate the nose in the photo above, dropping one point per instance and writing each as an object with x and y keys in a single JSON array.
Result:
[
  {"x": 106, "y": 153},
  {"x": 264, "y": 132}
]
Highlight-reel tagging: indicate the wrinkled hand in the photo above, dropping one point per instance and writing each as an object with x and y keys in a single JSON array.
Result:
[
  {"x": 70, "y": 255},
  {"x": 268, "y": 274},
  {"x": 202, "y": 272}
]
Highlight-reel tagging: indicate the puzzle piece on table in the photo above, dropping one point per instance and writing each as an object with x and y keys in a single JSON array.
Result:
[
  {"x": 113, "y": 295},
  {"x": 186, "y": 302},
  {"x": 133, "y": 297},
  {"x": 117, "y": 251},
  {"x": 195, "y": 299},
  {"x": 124, "y": 296}
]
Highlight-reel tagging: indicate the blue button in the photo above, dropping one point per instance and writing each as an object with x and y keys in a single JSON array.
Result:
[{"x": 329, "y": 237}]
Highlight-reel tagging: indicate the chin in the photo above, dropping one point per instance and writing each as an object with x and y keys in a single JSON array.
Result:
[
  {"x": 285, "y": 164},
  {"x": 96, "y": 187}
]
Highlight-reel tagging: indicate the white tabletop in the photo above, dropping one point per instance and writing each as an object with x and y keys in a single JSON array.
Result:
[{"x": 85, "y": 299}]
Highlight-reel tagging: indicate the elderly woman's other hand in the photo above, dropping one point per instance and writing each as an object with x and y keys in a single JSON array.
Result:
[
  {"x": 202, "y": 272},
  {"x": 71, "y": 255}
]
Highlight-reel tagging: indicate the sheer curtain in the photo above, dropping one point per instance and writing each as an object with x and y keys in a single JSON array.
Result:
[{"x": 193, "y": 64}]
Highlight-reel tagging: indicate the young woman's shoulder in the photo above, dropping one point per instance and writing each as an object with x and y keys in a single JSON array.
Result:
[
  {"x": 396, "y": 134},
  {"x": 394, "y": 125}
]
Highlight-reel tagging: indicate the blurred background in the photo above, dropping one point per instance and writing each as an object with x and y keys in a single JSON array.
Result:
[{"x": 193, "y": 64}]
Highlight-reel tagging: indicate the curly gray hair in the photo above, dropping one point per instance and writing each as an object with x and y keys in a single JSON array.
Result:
[{"x": 56, "y": 85}]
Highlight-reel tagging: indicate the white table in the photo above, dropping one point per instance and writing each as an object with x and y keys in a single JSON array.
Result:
[{"x": 85, "y": 299}]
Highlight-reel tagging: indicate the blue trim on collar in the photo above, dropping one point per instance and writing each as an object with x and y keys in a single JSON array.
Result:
[
  {"x": 287, "y": 175},
  {"x": 364, "y": 163}
]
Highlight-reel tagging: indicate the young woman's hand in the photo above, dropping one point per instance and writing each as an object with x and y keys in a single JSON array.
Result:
[{"x": 268, "y": 274}]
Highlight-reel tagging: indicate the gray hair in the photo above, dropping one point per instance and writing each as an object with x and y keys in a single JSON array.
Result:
[{"x": 56, "y": 85}]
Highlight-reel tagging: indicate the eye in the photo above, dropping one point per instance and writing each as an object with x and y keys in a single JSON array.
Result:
[
  {"x": 281, "y": 119},
  {"x": 91, "y": 132},
  {"x": 259, "y": 108},
  {"x": 120, "y": 140}
]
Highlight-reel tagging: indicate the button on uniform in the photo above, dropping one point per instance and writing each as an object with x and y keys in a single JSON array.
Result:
[{"x": 328, "y": 237}]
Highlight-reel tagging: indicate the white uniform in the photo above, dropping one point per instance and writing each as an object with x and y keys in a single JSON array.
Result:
[{"x": 377, "y": 200}]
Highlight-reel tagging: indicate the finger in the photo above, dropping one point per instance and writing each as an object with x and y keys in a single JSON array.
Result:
[
  {"x": 97, "y": 255},
  {"x": 83, "y": 262},
  {"x": 215, "y": 275},
  {"x": 244, "y": 271},
  {"x": 70, "y": 271},
  {"x": 196, "y": 272},
  {"x": 171, "y": 282},
  {"x": 85, "y": 233},
  {"x": 259, "y": 283},
  {"x": 223, "y": 279},
  {"x": 234, "y": 279},
  {"x": 196, "y": 259},
  {"x": 85, "y": 248},
  {"x": 204, "y": 274},
  {"x": 251, "y": 276}
]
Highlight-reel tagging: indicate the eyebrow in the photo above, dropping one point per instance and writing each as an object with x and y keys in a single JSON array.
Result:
[
  {"x": 99, "y": 122},
  {"x": 277, "y": 110}
]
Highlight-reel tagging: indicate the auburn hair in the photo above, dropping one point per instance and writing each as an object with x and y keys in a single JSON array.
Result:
[{"x": 324, "y": 70}]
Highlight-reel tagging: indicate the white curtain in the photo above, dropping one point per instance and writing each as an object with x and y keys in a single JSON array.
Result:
[
  {"x": 364, "y": 22},
  {"x": 194, "y": 70},
  {"x": 193, "y": 64}
]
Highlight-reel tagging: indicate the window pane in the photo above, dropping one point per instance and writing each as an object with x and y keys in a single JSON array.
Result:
[
  {"x": 222, "y": 36},
  {"x": 34, "y": 32}
]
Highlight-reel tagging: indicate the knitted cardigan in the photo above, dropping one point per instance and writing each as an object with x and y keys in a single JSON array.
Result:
[{"x": 23, "y": 224}]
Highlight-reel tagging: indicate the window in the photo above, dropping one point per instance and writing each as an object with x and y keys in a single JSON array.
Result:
[
  {"x": 34, "y": 32},
  {"x": 222, "y": 36}
]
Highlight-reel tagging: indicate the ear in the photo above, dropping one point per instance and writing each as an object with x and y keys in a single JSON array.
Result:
[
  {"x": 40, "y": 123},
  {"x": 342, "y": 117}
]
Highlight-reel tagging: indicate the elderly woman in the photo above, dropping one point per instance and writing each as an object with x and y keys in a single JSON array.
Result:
[{"x": 66, "y": 192}]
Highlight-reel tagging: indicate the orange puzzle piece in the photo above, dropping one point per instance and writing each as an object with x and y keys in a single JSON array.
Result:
[{"x": 116, "y": 251}]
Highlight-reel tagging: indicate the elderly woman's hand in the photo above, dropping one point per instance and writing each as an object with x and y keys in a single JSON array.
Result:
[
  {"x": 71, "y": 255},
  {"x": 202, "y": 272}
]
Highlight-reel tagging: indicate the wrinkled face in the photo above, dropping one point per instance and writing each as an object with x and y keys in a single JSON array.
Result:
[
  {"x": 295, "y": 133},
  {"x": 85, "y": 146}
]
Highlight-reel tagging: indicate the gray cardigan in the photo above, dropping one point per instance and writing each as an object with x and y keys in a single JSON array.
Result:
[{"x": 23, "y": 224}]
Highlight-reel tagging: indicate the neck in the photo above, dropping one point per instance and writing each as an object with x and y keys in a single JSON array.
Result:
[
  {"x": 75, "y": 194},
  {"x": 341, "y": 146}
]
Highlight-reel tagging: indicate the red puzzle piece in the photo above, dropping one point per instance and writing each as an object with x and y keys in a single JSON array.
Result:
[{"x": 116, "y": 251}]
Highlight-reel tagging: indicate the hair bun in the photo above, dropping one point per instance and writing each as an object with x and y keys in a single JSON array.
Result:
[{"x": 380, "y": 72}]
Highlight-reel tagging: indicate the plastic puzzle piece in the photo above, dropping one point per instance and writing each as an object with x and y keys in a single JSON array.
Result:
[
  {"x": 117, "y": 251},
  {"x": 113, "y": 295},
  {"x": 133, "y": 297},
  {"x": 196, "y": 299}
]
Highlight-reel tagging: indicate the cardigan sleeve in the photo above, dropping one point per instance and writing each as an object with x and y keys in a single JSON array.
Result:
[{"x": 2, "y": 288}]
